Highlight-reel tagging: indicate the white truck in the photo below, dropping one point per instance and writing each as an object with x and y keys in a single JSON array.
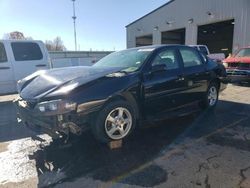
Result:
[
  {"x": 219, "y": 57},
  {"x": 19, "y": 58}
]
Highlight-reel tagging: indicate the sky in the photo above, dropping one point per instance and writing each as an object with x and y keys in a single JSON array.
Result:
[{"x": 100, "y": 23}]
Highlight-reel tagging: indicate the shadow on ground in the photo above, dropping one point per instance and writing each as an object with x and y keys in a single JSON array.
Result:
[
  {"x": 84, "y": 157},
  {"x": 225, "y": 114}
]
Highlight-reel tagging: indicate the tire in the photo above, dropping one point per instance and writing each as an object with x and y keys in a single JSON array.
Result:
[
  {"x": 114, "y": 122},
  {"x": 210, "y": 99}
]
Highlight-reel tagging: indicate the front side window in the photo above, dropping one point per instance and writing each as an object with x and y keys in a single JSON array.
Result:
[
  {"x": 3, "y": 56},
  {"x": 26, "y": 51},
  {"x": 190, "y": 58},
  {"x": 168, "y": 58}
]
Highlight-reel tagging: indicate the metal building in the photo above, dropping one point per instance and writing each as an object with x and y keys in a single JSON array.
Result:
[{"x": 222, "y": 25}]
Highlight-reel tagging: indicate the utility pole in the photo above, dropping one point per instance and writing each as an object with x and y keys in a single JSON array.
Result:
[{"x": 74, "y": 22}]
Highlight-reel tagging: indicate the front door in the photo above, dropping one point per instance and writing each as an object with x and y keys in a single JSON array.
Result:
[
  {"x": 163, "y": 88},
  {"x": 7, "y": 81}
]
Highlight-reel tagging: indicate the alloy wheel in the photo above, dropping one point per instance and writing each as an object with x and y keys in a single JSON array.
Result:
[
  {"x": 212, "y": 96},
  {"x": 118, "y": 123}
]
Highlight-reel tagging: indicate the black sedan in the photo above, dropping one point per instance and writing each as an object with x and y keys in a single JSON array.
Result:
[{"x": 119, "y": 92}]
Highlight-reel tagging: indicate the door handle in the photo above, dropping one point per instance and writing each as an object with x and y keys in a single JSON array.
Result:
[
  {"x": 4, "y": 68},
  {"x": 41, "y": 65}
]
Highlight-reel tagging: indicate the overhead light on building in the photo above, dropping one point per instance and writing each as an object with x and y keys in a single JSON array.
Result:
[
  {"x": 204, "y": 31},
  {"x": 233, "y": 23},
  {"x": 170, "y": 23},
  {"x": 156, "y": 28},
  {"x": 191, "y": 20},
  {"x": 224, "y": 49}
]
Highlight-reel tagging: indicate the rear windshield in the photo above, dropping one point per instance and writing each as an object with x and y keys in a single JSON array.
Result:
[{"x": 26, "y": 51}]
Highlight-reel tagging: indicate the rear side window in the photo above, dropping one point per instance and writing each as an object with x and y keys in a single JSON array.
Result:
[
  {"x": 190, "y": 58},
  {"x": 3, "y": 56},
  {"x": 26, "y": 51},
  {"x": 168, "y": 58}
]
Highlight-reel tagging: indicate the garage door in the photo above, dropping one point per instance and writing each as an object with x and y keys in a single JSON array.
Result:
[
  {"x": 144, "y": 40},
  {"x": 217, "y": 36},
  {"x": 173, "y": 37}
]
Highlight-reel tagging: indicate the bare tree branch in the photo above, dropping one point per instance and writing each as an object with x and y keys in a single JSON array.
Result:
[{"x": 55, "y": 45}]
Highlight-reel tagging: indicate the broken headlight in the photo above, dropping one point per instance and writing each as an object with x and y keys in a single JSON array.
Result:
[{"x": 56, "y": 107}]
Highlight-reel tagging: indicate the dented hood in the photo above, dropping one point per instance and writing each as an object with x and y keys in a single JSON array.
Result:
[{"x": 44, "y": 82}]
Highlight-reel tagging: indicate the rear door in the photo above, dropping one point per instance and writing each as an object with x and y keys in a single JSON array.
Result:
[
  {"x": 7, "y": 81},
  {"x": 162, "y": 90},
  {"x": 195, "y": 75},
  {"x": 28, "y": 58}
]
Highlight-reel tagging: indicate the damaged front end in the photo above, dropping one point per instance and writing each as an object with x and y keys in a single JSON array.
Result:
[{"x": 57, "y": 118}]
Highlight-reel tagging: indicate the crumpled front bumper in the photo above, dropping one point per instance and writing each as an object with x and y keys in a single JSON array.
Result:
[{"x": 51, "y": 125}]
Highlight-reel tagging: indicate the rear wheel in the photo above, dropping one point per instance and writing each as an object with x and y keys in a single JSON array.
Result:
[
  {"x": 114, "y": 122},
  {"x": 211, "y": 98}
]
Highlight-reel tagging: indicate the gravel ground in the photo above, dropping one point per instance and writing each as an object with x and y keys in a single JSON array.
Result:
[{"x": 206, "y": 149}]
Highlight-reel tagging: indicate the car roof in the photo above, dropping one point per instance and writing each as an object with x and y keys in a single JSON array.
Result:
[
  {"x": 200, "y": 45},
  {"x": 155, "y": 47}
]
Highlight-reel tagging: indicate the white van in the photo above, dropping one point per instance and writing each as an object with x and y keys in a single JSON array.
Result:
[{"x": 19, "y": 58}]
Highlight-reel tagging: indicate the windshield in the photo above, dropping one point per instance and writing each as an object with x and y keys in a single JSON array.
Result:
[
  {"x": 131, "y": 60},
  {"x": 243, "y": 53}
]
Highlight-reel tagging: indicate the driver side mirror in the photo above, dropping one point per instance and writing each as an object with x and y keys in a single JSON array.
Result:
[{"x": 159, "y": 68}]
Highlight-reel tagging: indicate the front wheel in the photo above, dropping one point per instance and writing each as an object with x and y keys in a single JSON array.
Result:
[
  {"x": 114, "y": 122},
  {"x": 211, "y": 98}
]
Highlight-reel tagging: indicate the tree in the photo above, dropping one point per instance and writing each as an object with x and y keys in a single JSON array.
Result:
[
  {"x": 16, "y": 35},
  {"x": 55, "y": 45}
]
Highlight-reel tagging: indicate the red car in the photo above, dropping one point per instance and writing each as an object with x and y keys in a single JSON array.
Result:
[{"x": 238, "y": 66}]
